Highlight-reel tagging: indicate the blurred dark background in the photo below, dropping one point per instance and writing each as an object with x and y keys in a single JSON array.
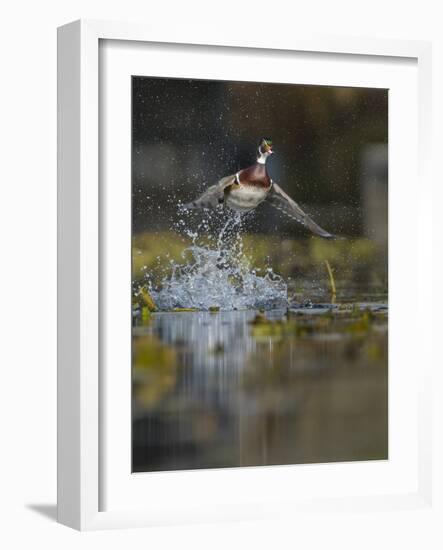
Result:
[{"x": 330, "y": 145}]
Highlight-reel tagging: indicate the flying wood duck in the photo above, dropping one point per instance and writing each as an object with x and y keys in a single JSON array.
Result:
[{"x": 251, "y": 186}]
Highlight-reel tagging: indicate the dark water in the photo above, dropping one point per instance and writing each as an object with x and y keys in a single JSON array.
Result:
[{"x": 212, "y": 390}]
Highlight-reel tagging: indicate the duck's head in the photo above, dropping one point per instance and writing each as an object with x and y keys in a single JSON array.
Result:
[{"x": 265, "y": 149}]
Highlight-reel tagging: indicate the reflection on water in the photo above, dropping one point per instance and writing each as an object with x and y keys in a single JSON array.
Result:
[{"x": 213, "y": 390}]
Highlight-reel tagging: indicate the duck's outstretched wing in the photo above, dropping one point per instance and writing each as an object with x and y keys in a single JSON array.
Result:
[
  {"x": 213, "y": 196},
  {"x": 279, "y": 199}
]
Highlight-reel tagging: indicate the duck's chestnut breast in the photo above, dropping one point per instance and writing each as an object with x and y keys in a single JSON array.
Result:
[{"x": 256, "y": 175}]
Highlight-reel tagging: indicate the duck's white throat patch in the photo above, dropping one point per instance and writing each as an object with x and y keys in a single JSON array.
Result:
[{"x": 262, "y": 157}]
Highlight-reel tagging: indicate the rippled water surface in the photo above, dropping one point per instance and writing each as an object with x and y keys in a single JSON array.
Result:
[{"x": 220, "y": 390}]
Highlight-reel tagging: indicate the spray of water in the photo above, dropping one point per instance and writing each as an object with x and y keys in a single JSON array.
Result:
[{"x": 216, "y": 272}]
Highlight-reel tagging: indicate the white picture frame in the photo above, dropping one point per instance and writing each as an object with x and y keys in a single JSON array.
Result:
[{"x": 81, "y": 445}]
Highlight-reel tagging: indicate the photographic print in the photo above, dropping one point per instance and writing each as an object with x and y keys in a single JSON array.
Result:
[{"x": 259, "y": 274}]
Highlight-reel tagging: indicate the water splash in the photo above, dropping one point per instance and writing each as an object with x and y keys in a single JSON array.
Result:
[{"x": 217, "y": 273}]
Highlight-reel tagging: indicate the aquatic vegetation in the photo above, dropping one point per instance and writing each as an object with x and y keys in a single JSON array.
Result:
[
  {"x": 154, "y": 370},
  {"x": 332, "y": 281},
  {"x": 261, "y": 319},
  {"x": 146, "y": 298},
  {"x": 324, "y": 319},
  {"x": 145, "y": 314}
]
